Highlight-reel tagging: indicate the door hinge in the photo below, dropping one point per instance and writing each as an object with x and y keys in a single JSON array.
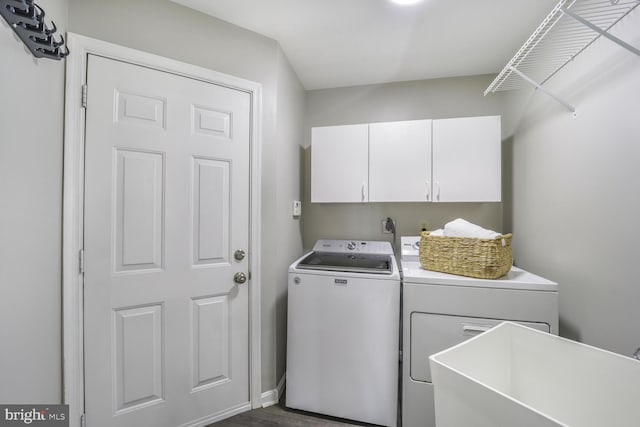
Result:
[
  {"x": 81, "y": 261},
  {"x": 84, "y": 96},
  {"x": 83, "y": 420}
]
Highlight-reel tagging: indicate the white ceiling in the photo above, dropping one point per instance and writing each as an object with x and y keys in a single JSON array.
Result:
[{"x": 337, "y": 43}]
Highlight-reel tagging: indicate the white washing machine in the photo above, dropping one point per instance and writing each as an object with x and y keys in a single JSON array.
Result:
[
  {"x": 441, "y": 310},
  {"x": 343, "y": 331}
]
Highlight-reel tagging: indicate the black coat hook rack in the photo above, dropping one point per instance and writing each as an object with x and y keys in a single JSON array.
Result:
[{"x": 27, "y": 20}]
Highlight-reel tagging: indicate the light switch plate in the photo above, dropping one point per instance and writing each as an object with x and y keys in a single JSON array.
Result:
[{"x": 296, "y": 208}]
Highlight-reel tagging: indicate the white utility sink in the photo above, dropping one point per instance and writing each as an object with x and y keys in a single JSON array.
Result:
[{"x": 512, "y": 375}]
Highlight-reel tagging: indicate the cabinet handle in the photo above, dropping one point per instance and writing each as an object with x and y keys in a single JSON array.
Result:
[
  {"x": 470, "y": 329},
  {"x": 438, "y": 184},
  {"x": 428, "y": 191},
  {"x": 363, "y": 191}
]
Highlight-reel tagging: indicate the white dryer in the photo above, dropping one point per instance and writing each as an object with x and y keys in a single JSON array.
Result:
[
  {"x": 343, "y": 331},
  {"x": 441, "y": 310}
]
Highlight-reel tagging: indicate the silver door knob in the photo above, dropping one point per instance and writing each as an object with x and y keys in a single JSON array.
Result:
[
  {"x": 240, "y": 278},
  {"x": 239, "y": 255}
]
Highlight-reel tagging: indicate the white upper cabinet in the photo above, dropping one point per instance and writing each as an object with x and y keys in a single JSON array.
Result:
[
  {"x": 445, "y": 160},
  {"x": 467, "y": 159},
  {"x": 339, "y": 163},
  {"x": 400, "y": 161}
]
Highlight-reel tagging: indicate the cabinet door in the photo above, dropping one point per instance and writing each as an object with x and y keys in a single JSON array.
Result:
[
  {"x": 400, "y": 161},
  {"x": 339, "y": 163},
  {"x": 467, "y": 159}
]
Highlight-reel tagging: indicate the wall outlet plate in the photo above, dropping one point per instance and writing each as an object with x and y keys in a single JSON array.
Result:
[{"x": 384, "y": 227}]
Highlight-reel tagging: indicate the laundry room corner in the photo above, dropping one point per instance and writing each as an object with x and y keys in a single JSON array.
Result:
[
  {"x": 288, "y": 230},
  {"x": 319, "y": 212}
]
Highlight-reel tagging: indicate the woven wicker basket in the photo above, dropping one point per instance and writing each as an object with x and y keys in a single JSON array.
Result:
[{"x": 465, "y": 256}]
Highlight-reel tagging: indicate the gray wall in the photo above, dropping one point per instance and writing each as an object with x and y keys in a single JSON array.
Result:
[
  {"x": 576, "y": 194},
  {"x": 426, "y": 99},
  {"x": 31, "y": 131},
  {"x": 287, "y": 231}
]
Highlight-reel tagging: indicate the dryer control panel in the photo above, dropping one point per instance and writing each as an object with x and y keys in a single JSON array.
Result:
[{"x": 410, "y": 248}]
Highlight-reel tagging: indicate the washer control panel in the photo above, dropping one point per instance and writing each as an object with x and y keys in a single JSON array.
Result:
[{"x": 360, "y": 246}]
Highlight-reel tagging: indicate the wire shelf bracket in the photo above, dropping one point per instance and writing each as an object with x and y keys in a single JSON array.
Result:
[
  {"x": 545, "y": 90},
  {"x": 570, "y": 28}
]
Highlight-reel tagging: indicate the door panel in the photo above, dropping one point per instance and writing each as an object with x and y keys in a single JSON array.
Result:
[
  {"x": 211, "y": 341},
  {"x": 138, "y": 348},
  {"x": 140, "y": 109},
  {"x": 139, "y": 211},
  {"x": 210, "y": 122},
  {"x": 211, "y": 213},
  {"x": 166, "y": 204}
]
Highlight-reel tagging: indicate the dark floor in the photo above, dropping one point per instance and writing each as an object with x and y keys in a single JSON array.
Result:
[{"x": 281, "y": 416}]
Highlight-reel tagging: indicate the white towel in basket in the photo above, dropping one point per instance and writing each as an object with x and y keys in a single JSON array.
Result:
[{"x": 461, "y": 228}]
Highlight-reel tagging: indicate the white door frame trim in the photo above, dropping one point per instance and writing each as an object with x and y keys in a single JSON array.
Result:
[{"x": 73, "y": 202}]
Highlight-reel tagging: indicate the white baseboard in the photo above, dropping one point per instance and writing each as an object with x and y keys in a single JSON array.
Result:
[
  {"x": 272, "y": 397},
  {"x": 244, "y": 407}
]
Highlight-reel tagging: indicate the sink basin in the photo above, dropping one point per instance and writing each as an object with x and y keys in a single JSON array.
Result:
[{"x": 512, "y": 375}]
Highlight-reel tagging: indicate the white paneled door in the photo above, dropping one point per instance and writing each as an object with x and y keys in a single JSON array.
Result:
[{"x": 166, "y": 208}]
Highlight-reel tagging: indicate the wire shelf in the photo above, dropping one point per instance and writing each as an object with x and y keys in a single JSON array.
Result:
[{"x": 570, "y": 28}]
